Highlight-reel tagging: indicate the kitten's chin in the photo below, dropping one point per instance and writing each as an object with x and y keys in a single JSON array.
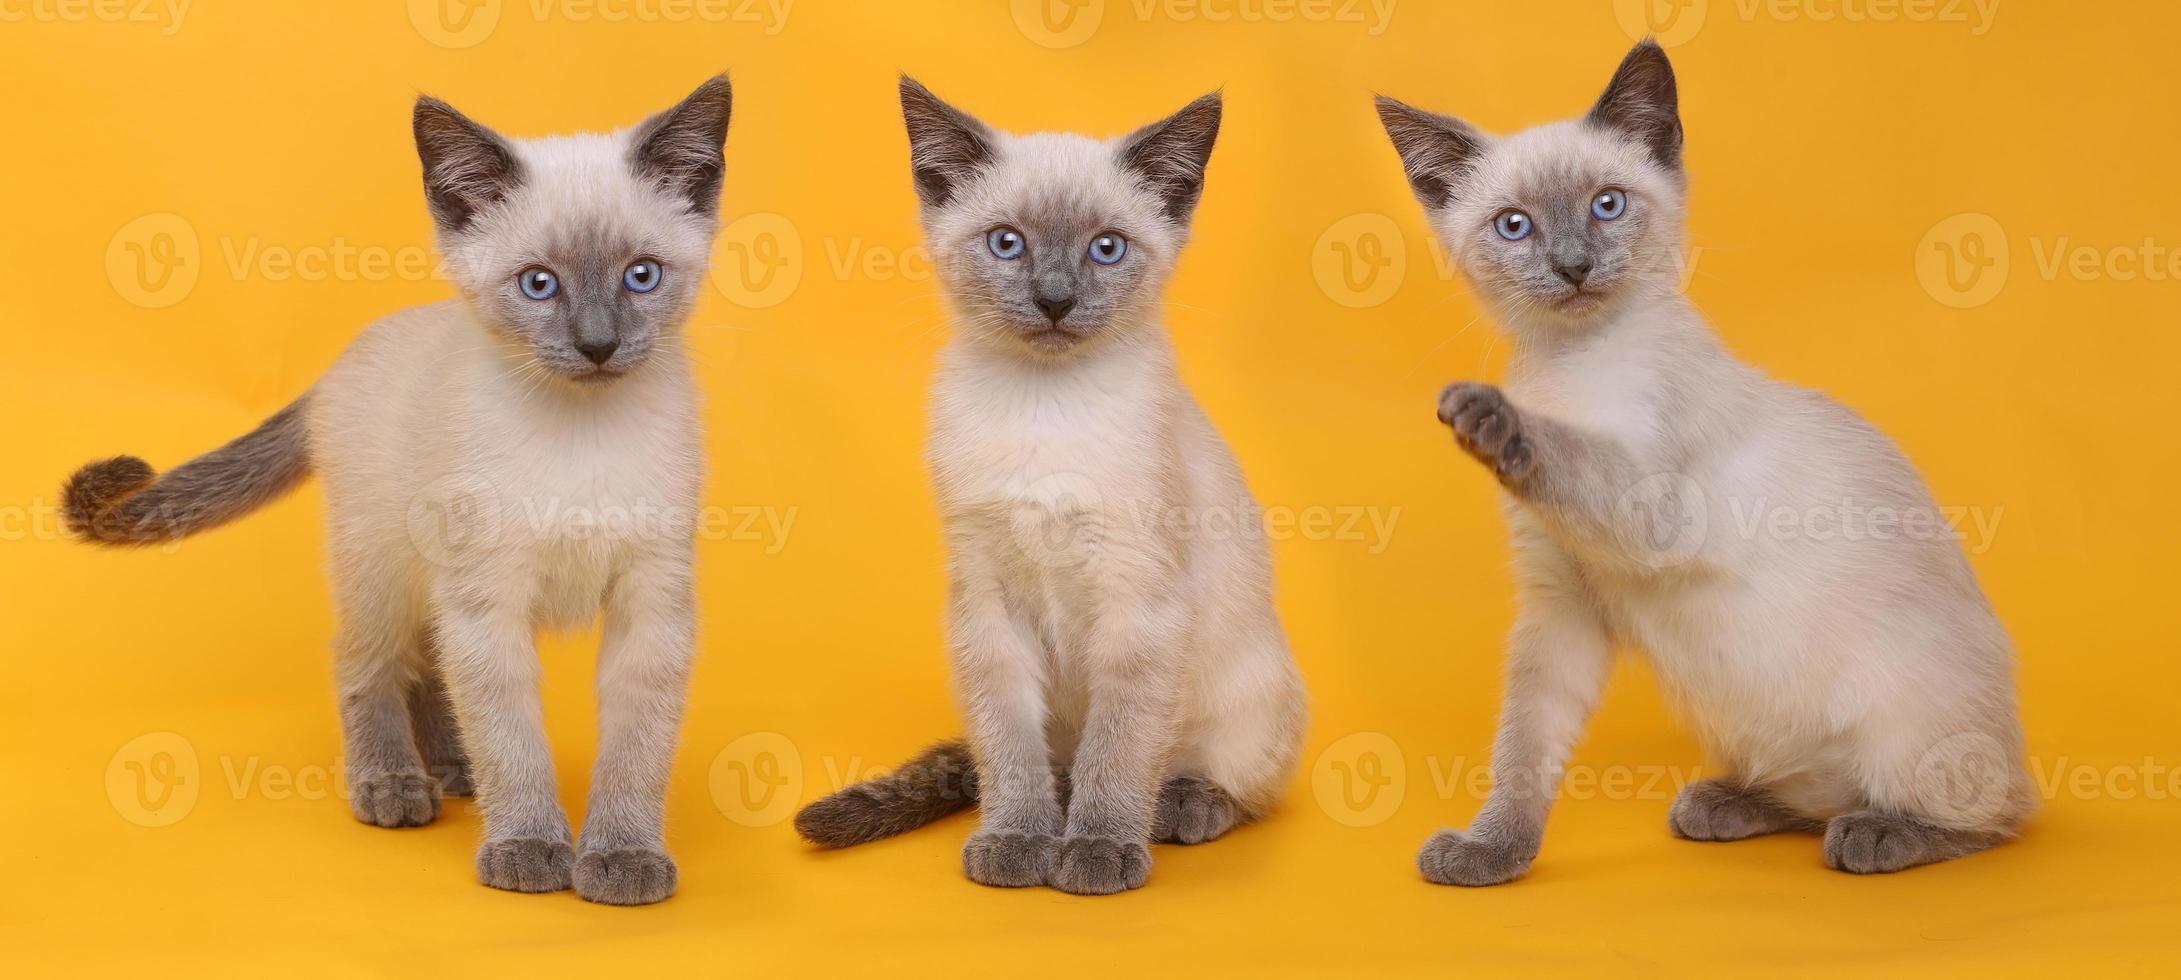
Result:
[{"x": 1048, "y": 341}]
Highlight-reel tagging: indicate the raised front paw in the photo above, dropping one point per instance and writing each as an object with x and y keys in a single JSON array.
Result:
[
  {"x": 1008, "y": 858},
  {"x": 396, "y": 799},
  {"x": 1487, "y": 427},
  {"x": 1101, "y": 865},
  {"x": 526, "y": 864},
  {"x": 626, "y": 876},
  {"x": 1453, "y": 857}
]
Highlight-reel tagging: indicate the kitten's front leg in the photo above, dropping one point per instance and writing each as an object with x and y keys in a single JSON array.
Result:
[
  {"x": 999, "y": 671},
  {"x": 490, "y": 660},
  {"x": 643, "y": 683},
  {"x": 1557, "y": 661},
  {"x": 1127, "y": 734},
  {"x": 1587, "y": 482}
]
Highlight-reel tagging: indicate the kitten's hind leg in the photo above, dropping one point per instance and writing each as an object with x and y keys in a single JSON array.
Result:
[
  {"x": 1193, "y": 810},
  {"x": 1876, "y": 842},
  {"x": 439, "y": 739},
  {"x": 1724, "y": 809},
  {"x": 376, "y": 664}
]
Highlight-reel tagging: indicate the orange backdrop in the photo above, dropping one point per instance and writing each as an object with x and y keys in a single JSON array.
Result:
[{"x": 1957, "y": 217}]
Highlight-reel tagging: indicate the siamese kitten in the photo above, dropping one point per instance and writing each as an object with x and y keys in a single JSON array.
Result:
[
  {"x": 1854, "y": 683},
  {"x": 525, "y": 456},
  {"x": 1114, "y": 641}
]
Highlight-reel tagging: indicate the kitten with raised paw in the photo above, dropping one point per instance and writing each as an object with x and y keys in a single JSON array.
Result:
[
  {"x": 1854, "y": 684},
  {"x": 526, "y": 456},
  {"x": 1115, "y": 646}
]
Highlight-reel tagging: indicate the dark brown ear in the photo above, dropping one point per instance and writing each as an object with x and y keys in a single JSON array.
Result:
[
  {"x": 1643, "y": 102},
  {"x": 681, "y": 148},
  {"x": 1173, "y": 152},
  {"x": 467, "y": 168},
  {"x": 946, "y": 145},
  {"x": 1435, "y": 149}
]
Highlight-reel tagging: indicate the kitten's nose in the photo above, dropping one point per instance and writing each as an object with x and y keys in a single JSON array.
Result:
[
  {"x": 1574, "y": 272},
  {"x": 599, "y": 351},
  {"x": 1056, "y": 309}
]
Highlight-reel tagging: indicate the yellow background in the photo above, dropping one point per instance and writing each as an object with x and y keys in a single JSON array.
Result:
[{"x": 1822, "y": 150}]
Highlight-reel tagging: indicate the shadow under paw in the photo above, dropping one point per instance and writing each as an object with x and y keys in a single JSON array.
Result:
[
  {"x": 1101, "y": 865},
  {"x": 403, "y": 799},
  {"x": 526, "y": 864},
  {"x": 1452, "y": 857},
  {"x": 629, "y": 876},
  {"x": 1008, "y": 858},
  {"x": 1193, "y": 810}
]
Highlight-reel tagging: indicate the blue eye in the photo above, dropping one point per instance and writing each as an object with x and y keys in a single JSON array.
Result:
[
  {"x": 1609, "y": 204},
  {"x": 538, "y": 282},
  {"x": 1005, "y": 243},
  {"x": 643, "y": 276},
  {"x": 1512, "y": 225},
  {"x": 1108, "y": 248}
]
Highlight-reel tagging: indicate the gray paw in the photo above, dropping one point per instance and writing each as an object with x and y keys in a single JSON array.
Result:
[
  {"x": 1008, "y": 858},
  {"x": 1869, "y": 842},
  {"x": 525, "y": 864},
  {"x": 1452, "y": 857},
  {"x": 1193, "y": 810},
  {"x": 1101, "y": 865},
  {"x": 406, "y": 799},
  {"x": 632, "y": 876},
  {"x": 1487, "y": 427},
  {"x": 1718, "y": 810}
]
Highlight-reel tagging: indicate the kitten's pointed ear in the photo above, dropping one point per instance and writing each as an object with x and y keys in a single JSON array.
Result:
[
  {"x": 467, "y": 168},
  {"x": 681, "y": 148},
  {"x": 1434, "y": 149},
  {"x": 1643, "y": 102},
  {"x": 946, "y": 145},
  {"x": 1173, "y": 152}
]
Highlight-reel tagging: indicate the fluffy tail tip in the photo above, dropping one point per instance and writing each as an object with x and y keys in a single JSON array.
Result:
[
  {"x": 843, "y": 819},
  {"x": 96, "y": 488}
]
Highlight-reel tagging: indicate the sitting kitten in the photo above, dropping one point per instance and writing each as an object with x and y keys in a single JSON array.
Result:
[
  {"x": 1858, "y": 683},
  {"x": 1111, "y": 611},
  {"x": 554, "y": 406}
]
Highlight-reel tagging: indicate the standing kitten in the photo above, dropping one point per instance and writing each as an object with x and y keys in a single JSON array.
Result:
[
  {"x": 551, "y": 413},
  {"x": 1111, "y": 613},
  {"x": 1854, "y": 682}
]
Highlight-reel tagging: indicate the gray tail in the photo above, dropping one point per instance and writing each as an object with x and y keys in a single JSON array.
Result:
[
  {"x": 939, "y": 781},
  {"x": 122, "y": 501}
]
